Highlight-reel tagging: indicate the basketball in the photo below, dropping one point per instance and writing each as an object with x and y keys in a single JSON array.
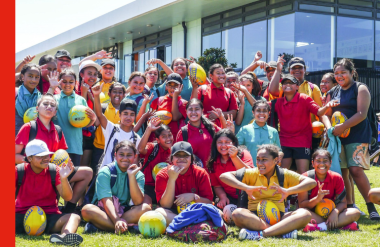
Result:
[
  {"x": 324, "y": 209},
  {"x": 199, "y": 73},
  {"x": 78, "y": 117},
  {"x": 158, "y": 168},
  {"x": 30, "y": 114},
  {"x": 268, "y": 212},
  {"x": 181, "y": 208},
  {"x": 338, "y": 118},
  {"x": 227, "y": 213},
  {"x": 152, "y": 224},
  {"x": 318, "y": 129},
  {"x": 165, "y": 116},
  {"x": 34, "y": 221},
  {"x": 60, "y": 157},
  {"x": 104, "y": 98}
]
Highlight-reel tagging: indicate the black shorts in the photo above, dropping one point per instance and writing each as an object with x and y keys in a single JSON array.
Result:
[
  {"x": 96, "y": 154},
  {"x": 281, "y": 213},
  {"x": 149, "y": 190},
  {"x": 88, "y": 143},
  {"x": 75, "y": 158},
  {"x": 296, "y": 153},
  {"x": 73, "y": 173},
  {"x": 315, "y": 144},
  {"x": 51, "y": 219}
]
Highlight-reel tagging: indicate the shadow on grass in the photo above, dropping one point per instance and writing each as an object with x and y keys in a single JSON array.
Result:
[
  {"x": 306, "y": 238},
  {"x": 364, "y": 220}
]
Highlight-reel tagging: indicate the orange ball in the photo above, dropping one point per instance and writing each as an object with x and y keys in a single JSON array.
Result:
[{"x": 318, "y": 129}]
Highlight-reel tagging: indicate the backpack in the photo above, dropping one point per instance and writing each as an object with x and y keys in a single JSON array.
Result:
[
  {"x": 199, "y": 232},
  {"x": 21, "y": 172},
  {"x": 151, "y": 157},
  {"x": 338, "y": 199},
  {"x": 242, "y": 195},
  {"x": 91, "y": 189}
]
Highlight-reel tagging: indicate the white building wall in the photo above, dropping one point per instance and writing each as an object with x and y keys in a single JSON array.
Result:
[
  {"x": 194, "y": 38},
  {"x": 177, "y": 41}
]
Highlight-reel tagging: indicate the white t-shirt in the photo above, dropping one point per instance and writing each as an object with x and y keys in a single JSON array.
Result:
[{"x": 117, "y": 137}]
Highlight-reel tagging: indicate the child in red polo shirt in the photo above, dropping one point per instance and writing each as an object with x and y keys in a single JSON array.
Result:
[
  {"x": 226, "y": 156},
  {"x": 36, "y": 189},
  {"x": 182, "y": 182},
  {"x": 172, "y": 102},
  {"x": 293, "y": 111},
  {"x": 216, "y": 95},
  {"x": 164, "y": 138},
  {"x": 48, "y": 65},
  {"x": 47, "y": 132},
  {"x": 330, "y": 186}
]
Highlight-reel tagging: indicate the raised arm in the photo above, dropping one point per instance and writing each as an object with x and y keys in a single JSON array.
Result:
[
  {"x": 155, "y": 61},
  {"x": 153, "y": 125},
  {"x": 96, "y": 90},
  {"x": 134, "y": 189},
  {"x": 98, "y": 55},
  {"x": 240, "y": 114},
  {"x": 274, "y": 85},
  {"x": 25, "y": 61},
  {"x": 177, "y": 115}
]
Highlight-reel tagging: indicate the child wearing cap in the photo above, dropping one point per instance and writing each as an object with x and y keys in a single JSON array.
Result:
[
  {"x": 181, "y": 182},
  {"x": 115, "y": 133},
  {"x": 172, "y": 102},
  {"x": 35, "y": 188}
]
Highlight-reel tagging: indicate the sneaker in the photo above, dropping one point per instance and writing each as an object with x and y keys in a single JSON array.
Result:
[
  {"x": 292, "y": 234},
  {"x": 374, "y": 215},
  {"x": 311, "y": 227},
  {"x": 134, "y": 229},
  {"x": 354, "y": 226},
  {"x": 68, "y": 239},
  {"x": 361, "y": 212},
  {"x": 90, "y": 228},
  {"x": 248, "y": 234}
]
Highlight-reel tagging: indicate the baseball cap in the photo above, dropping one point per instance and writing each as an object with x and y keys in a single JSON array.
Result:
[
  {"x": 296, "y": 61},
  {"x": 62, "y": 53},
  {"x": 290, "y": 78},
  {"x": 37, "y": 148},
  {"x": 272, "y": 64},
  {"x": 128, "y": 104},
  {"x": 174, "y": 77},
  {"x": 89, "y": 63},
  {"x": 182, "y": 147},
  {"x": 108, "y": 61}
]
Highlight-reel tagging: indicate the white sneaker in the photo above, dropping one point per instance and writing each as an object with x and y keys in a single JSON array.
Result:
[
  {"x": 361, "y": 212},
  {"x": 292, "y": 234},
  {"x": 248, "y": 234}
]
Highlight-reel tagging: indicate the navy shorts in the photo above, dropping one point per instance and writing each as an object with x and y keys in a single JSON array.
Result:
[{"x": 296, "y": 153}]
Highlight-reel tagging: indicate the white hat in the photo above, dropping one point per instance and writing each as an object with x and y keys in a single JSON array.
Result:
[
  {"x": 89, "y": 63},
  {"x": 37, "y": 148}
]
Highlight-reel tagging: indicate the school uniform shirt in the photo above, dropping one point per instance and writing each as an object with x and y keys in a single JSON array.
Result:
[
  {"x": 195, "y": 180},
  {"x": 200, "y": 142},
  {"x": 315, "y": 94},
  {"x": 252, "y": 177},
  {"x": 37, "y": 190},
  {"x": 220, "y": 168},
  {"x": 121, "y": 135},
  {"x": 333, "y": 183},
  {"x": 248, "y": 115},
  {"x": 186, "y": 90},
  {"x": 253, "y": 135},
  {"x": 112, "y": 115},
  {"x": 294, "y": 118},
  {"x": 50, "y": 137},
  {"x": 156, "y": 93},
  {"x": 268, "y": 96},
  {"x": 24, "y": 101},
  {"x": 162, "y": 156},
  {"x": 73, "y": 136},
  {"x": 221, "y": 97},
  {"x": 105, "y": 90},
  {"x": 46, "y": 86},
  {"x": 164, "y": 103},
  {"x": 120, "y": 189},
  {"x": 134, "y": 97}
]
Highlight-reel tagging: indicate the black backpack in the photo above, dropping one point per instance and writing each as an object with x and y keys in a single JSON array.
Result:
[
  {"x": 242, "y": 195},
  {"x": 151, "y": 157}
]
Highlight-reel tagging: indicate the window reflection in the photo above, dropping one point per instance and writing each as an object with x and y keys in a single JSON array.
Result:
[
  {"x": 377, "y": 45},
  {"x": 232, "y": 42},
  {"x": 212, "y": 40}
]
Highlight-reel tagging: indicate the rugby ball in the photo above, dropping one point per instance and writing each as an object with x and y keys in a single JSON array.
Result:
[
  {"x": 165, "y": 116},
  {"x": 78, "y": 117},
  {"x": 318, "y": 129},
  {"x": 195, "y": 70},
  {"x": 60, "y": 157},
  {"x": 181, "y": 208},
  {"x": 35, "y": 221},
  {"x": 104, "y": 98},
  {"x": 227, "y": 213},
  {"x": 30, "y": 114},
  {"x": 268, "y": 212},
  {"x": 152, "y": 224},
  {"x": 158, "y": 168},
  {"x": 324, "y": 209},
  {"x": 338, "y": 118}
]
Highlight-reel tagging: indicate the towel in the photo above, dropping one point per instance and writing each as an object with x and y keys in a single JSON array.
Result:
[{"x": 334, "y": 147}]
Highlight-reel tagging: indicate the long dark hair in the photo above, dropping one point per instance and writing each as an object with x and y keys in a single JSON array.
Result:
[
  {"x": 348, "y": 65},
  {"x": 214, "y": 67},
  {"x": 214, "y": 151},
  {"x": 207, "y": 123},
  {"x": 179, "y": 58},
  {"x": 101, "y": 77},
  {"x": 255, "y": 83}
]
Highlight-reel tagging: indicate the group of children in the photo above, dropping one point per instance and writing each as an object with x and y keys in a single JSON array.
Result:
[{"x": 234, "y": 133}]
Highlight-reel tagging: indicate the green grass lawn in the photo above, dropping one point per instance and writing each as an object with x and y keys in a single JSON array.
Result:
[{"x": 369, "y": 234}]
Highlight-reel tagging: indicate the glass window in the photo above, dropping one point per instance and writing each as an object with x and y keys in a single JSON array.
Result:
[
  {"x": 214, "y": 27},
  {"x": 233, "y": 22},
  {"x": 152, "y": 53},
  {"x": 355, "y": 12},
  {"x": 212, "y": 40},
  {"x": 255, "y": 39},
  {"x": 232, "y": 13},
  {"x": 280, "y": 36},
  {"x": 329, "y": 1},
  {"x": 164, "y": 41},
  {"x": 150, "y": 37},
  {"x": 141, "y": 62},
  {"x": 275, "y": 1},
  {"x": 232, "y": 42},
  {"x": 146, "y": 60},
  {"x": 166, "y": 33},
  {"x": 127, "y": 67},
  {"x": 138, "y": 41},
  {"x": 255, "y": 16},
  {"x": 356, "y": 2},
  {"x": 317, "y": 8},
  {"x": 377, "y": 39},
  {"x": 280, "y": 9},
  {"x": 355, "y": 40},
  {"x": 255, "y": 6},
  {"x": 168, "y": 55},
  {"x": 315, "y": 45},
  {"x": 137, "y": 48},
  {"x": 152, "y": 44},
  {"x": 211, "y": 19}
]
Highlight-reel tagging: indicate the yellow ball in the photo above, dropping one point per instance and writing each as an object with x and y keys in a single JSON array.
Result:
[
  {"x": 165, "y": 116},
  {"x": 30, "y": 114},
  {"x": 338, "y": 118},
  {"x": 324, "y": 209},
  {"x": 158, "y": 168},
  {"x": 195, "y": 70},
  {"x": 269, "y": 212},
  {"x": 152, "y": 224},
  {"x": 78, "y": 117},
  {"x": 181, "y": 208},
  {"x": 104, "y": 98},
  {"x": 35, "y": 221},
  {"x": 60, "y": 157}
]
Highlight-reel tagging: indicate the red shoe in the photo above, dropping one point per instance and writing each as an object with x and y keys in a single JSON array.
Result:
[
  {"x": 311, "y": 227},
  {"x": 351, "y": 227}
]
